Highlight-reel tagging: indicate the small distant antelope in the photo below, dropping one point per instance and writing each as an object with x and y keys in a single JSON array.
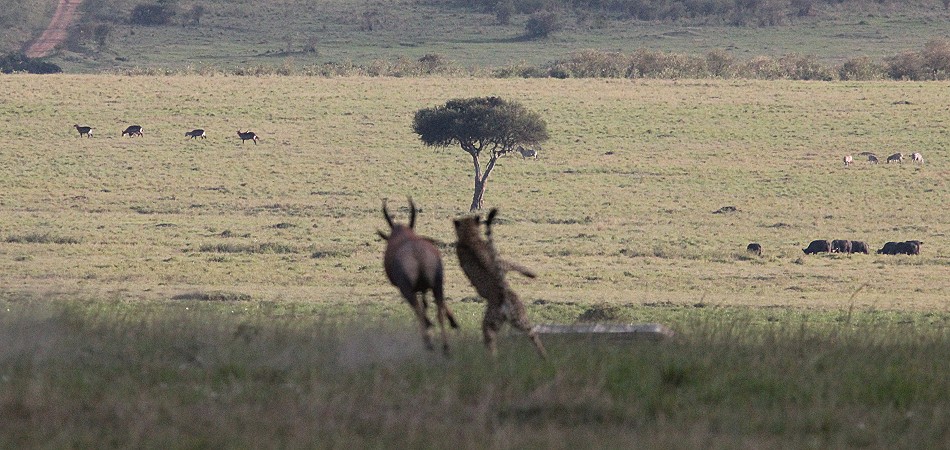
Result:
[
  {"x": 414, "y": 265},
  {"x": 83, "y": 130},
  {"x": 917, "y": 157},
  {"x": 848, "y": 160},
  {"x": 248, "y": 136},
  {"x": 196, "y": 133},
  {"x": 133, "y": 130},
  {"x": 486, "y": 271},
  {"x": 872, "y": 158},
  {"x": 898, "y": 157},
  {"x": 528, "y": 152}
]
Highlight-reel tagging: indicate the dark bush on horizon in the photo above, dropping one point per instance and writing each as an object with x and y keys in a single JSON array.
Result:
[
  {"x": 151, "y": 14},
  {"x": 19, "y": 62},
  {"x": 542, "y": 24},
  {"x": 755, "y": 13}
]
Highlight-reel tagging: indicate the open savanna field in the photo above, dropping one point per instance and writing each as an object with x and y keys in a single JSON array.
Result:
[{"x": 163, "y": 291}]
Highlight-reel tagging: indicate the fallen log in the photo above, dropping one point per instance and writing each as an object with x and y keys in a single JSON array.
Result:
[{"x": 611, "y": 331}]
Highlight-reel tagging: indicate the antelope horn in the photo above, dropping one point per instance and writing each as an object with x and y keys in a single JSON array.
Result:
[
  {"x": 412, "y": 214},
  {"x": 386, "y": 215},
  {"x": 491, "y": 216}
]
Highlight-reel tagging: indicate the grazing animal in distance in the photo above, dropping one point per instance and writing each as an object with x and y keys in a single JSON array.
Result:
[
  {"x": 901, "y": 248},
  {"x": 897, "y": 157},
  {"x": 841, "y": 246},
  {"x": 848, "y": 159},
  {"x": 528, "y": 152},
  {"x": 196, "y": 133},
  {"x": 414, "y": 265},
  {"x": 908, "y": 248},
  {"x": 248, "y": 136},
  {"x": 486, "y": 271},
  {"x": 889, "y": 248},
  {"x": 859, "y": 247},
  {"x": 84, "y": 130},
  {"x": 133, "y": 130},
  {"x": 818, "y": 246},
  {"x": 754, "y": 248},
  {"x": 917, "y": 158},
  {"x": 872, "y": 158}
]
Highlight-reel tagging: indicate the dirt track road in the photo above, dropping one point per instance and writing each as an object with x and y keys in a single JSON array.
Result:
[{"x": 66, "y": 12}]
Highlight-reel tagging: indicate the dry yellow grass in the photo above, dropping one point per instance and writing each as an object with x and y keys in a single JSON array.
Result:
[{"x": 619, "y": 208}]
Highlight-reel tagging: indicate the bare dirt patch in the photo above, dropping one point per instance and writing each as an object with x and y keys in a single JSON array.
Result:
[{"x": 67, "y": 11}]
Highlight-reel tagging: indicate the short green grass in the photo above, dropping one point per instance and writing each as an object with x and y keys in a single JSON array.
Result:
[{"x": 100, "y": 373}]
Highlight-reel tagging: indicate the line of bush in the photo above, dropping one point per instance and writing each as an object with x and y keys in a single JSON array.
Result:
[
  {"x": 732, "y": 12},
  {"x": 930, "y": 63}
]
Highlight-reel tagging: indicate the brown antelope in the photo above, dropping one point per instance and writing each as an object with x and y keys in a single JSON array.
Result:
[
  {"x": 133, "y": 130},
  {"x": 248, "y": 136},
  {"x": 196, "y": 133},
  {"x": 414, "y": 265},
  {"x": 83, "y": 130},
  {"x": 486, "y": 271}
]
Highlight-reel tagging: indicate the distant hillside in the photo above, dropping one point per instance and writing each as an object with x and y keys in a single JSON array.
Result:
[
  {"x": 208, "y": 34},
  {"x": 22, "y": 20}
]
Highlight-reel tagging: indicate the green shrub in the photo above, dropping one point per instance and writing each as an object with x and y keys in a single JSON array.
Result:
[
  {"x": 802, "y": 67},
  {"x": 503, "y": 12},
  {"x": 720, "y": 64},
  {"x": 861, "y": 68},
  {"x": 542, "y": 24},
  {"x": 152, "y": 14},
  {"x": 936, "y": 56},
  {"x": 18, "y": 62},
  {"x": 908, "y": 65}
]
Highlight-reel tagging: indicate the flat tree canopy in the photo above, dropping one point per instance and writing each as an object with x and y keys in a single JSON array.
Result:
[{"x": 477, "y": 125}]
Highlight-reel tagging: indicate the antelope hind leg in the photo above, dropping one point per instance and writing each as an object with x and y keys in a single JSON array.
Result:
[{"x": 424, "y": 323}]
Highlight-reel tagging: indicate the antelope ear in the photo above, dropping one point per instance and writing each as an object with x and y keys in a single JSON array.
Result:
[{"x": 382, "y": 235}]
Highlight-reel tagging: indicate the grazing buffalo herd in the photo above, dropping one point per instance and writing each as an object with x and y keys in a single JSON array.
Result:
[{"x": 846, "y": 246}]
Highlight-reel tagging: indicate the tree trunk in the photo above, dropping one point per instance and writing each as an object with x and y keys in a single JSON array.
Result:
[
  {"x": 481, "y": 181},
  {"x": 477, "y": 197}
]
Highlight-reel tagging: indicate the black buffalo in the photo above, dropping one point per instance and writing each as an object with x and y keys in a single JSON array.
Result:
[
  {"x": 859, "y": 247},
  {"x": 908, "y": 248},
  {"x": 901, "y": 248},
  {"x": 841, "y": 246},
  {"x": 754, "y": 248},
  {"x": 889, "y": 248},
  {"x": 818, "y": 246}
]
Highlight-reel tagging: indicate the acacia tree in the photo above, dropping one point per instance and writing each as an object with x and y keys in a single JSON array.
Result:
[{"x": 481, "y": 126}]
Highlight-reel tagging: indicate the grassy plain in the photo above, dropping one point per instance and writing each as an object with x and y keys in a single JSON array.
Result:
[
  {"x": 248, "y": 33},
  {"x": 204, "y": 292},
  {"x": 101, "y": 374},
  {"x": 619, "y": 208}
]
